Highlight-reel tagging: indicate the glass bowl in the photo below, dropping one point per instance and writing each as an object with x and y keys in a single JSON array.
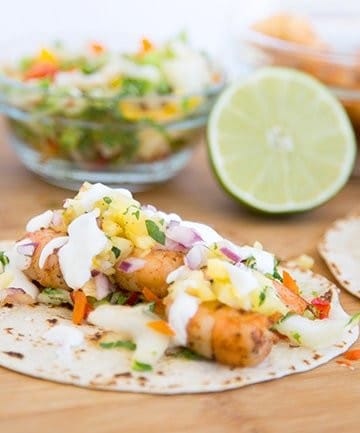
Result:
[
  {"x": 323, "y": 44},
  {"x": 150, "y": 146}
]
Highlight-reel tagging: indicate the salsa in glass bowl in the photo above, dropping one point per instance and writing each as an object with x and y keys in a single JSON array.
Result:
[{"x": 129, "y": 118}]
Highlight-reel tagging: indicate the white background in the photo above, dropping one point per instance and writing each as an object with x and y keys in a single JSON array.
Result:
[{"x": 211, "y": 24}]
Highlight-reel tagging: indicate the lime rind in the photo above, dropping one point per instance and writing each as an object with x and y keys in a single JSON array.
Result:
[{"x": 286, "y": 78}]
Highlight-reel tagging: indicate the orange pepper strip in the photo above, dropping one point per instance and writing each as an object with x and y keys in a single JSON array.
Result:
[
  {"x": 290, "y": 283},
  {"x": 161, "y": 326},
  {"x": 97, "y": 48},
  {"x": 146, "y": 45},
  {"x": 151, "y": 297},
  {"x": 352, "y": 355},
  {"x": 80, "y": 306}
]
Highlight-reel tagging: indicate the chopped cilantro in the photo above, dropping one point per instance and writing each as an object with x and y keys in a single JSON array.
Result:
[
  {"x": 116, "y": 251},
  {"x": 127, "y": 210},
  {"x": 277, "y": 276},
  {"x": 250, "y": 262},
  {"x": 262, "y": 296},
  {"x": 4, "y": 259},
  {"x": 154, "y": 232},
  {"x": 136, "y": 214},
  {"x": 297, "y": 337},
  {"x": 118, "y": 298},
  {"x": 140, "y": 366},
  {"x": 126, "y": 344},
  {"x": 107, "y": 200}
]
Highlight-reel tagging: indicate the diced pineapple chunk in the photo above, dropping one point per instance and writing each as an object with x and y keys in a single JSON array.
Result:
[
  {"x": 225, "y": 293},
  {"x": 216, "y": 270},
  {"x": 265, "y": 300},
  {"x": 6, "y": 279}
]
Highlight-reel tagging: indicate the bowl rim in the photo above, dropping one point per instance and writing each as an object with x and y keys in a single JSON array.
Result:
[
  {"x": 250, "y": 35},
  {"x": 76, "y": 93}
]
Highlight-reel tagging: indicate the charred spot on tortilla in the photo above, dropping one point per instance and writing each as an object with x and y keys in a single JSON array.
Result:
[
  {"x": 14, "y": 354},
  {"x": 126, "y": 374},
  {"x": 8, "y": 305},
  {"x": 52, "y": 321}
]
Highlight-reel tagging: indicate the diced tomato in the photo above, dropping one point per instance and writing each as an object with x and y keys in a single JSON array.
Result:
[
  {"x": 41, "y": 70},
  {"x": 132, "y": 299},
  {"x": 352, "y": 355},
  {"x": 322, "y": 307}
]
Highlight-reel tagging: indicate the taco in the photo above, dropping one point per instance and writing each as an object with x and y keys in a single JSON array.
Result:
[
  {"x": 106, "y": 293},
  {"x": 340, "y": 248}
]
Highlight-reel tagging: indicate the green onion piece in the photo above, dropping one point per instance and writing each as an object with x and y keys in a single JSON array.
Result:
[
  {"x": 140, "y": 366},
  {"x": 354, "y": 320},
  {"x": 125, "y": 344},
  {"x": 118, "y": 298},
  {"x": 187, "y": 353}
]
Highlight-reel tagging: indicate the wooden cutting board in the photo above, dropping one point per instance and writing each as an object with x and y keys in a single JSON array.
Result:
[{"x": 326, "y": 399}]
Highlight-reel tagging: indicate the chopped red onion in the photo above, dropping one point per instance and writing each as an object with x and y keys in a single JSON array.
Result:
[
  {"x": 27, "y": 249},
  {"x": 196, "y": 257},
  {"x": 149, "y": 207},
  {"x": 103, "y": 286},
  {"x": 173, "y": 246},
  {"x": 131, "y": 264},
  {"x": 230, "y": 254},
  {"x": 185, "y": 236}
]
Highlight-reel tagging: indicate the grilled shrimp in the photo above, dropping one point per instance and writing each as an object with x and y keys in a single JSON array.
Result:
[
  {"x": 50, "y": 275},
  {"x": 229, "y": 336},
  {"x": 158, "y": 265}
]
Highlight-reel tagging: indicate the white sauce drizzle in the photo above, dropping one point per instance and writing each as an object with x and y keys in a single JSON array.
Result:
[
  {"x": 41, "y": 221},
  {"x": 208, "y": 234},
  {"x": 66, "y": 337},
  {"x": 86, "y": 240},
  {"x": 243, "y": 281},
  {"x": 131, "y": 323},
  {"x": 265, "y": 261},
  {"x": 20, "y": 261},
  {"x": 18, "y": 279},
  {"x": 87, "y": 198},
  {"x": 180, "y": 312},
  {"x": 50, "y": 247}
]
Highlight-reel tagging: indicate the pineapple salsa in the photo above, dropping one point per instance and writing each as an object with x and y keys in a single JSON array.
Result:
[{"x": 89, "y": 105}]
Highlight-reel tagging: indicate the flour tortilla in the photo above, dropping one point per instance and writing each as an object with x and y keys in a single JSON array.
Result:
[
  {"x": 340, "y": 248},
  {"x": 23, "y": 349}
]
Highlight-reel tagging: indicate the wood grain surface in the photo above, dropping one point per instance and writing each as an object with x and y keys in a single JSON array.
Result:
[{"x": 326, "y": 399}]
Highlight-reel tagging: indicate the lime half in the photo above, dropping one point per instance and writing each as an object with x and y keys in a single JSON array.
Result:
[{"x": 280, "y": 142}]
